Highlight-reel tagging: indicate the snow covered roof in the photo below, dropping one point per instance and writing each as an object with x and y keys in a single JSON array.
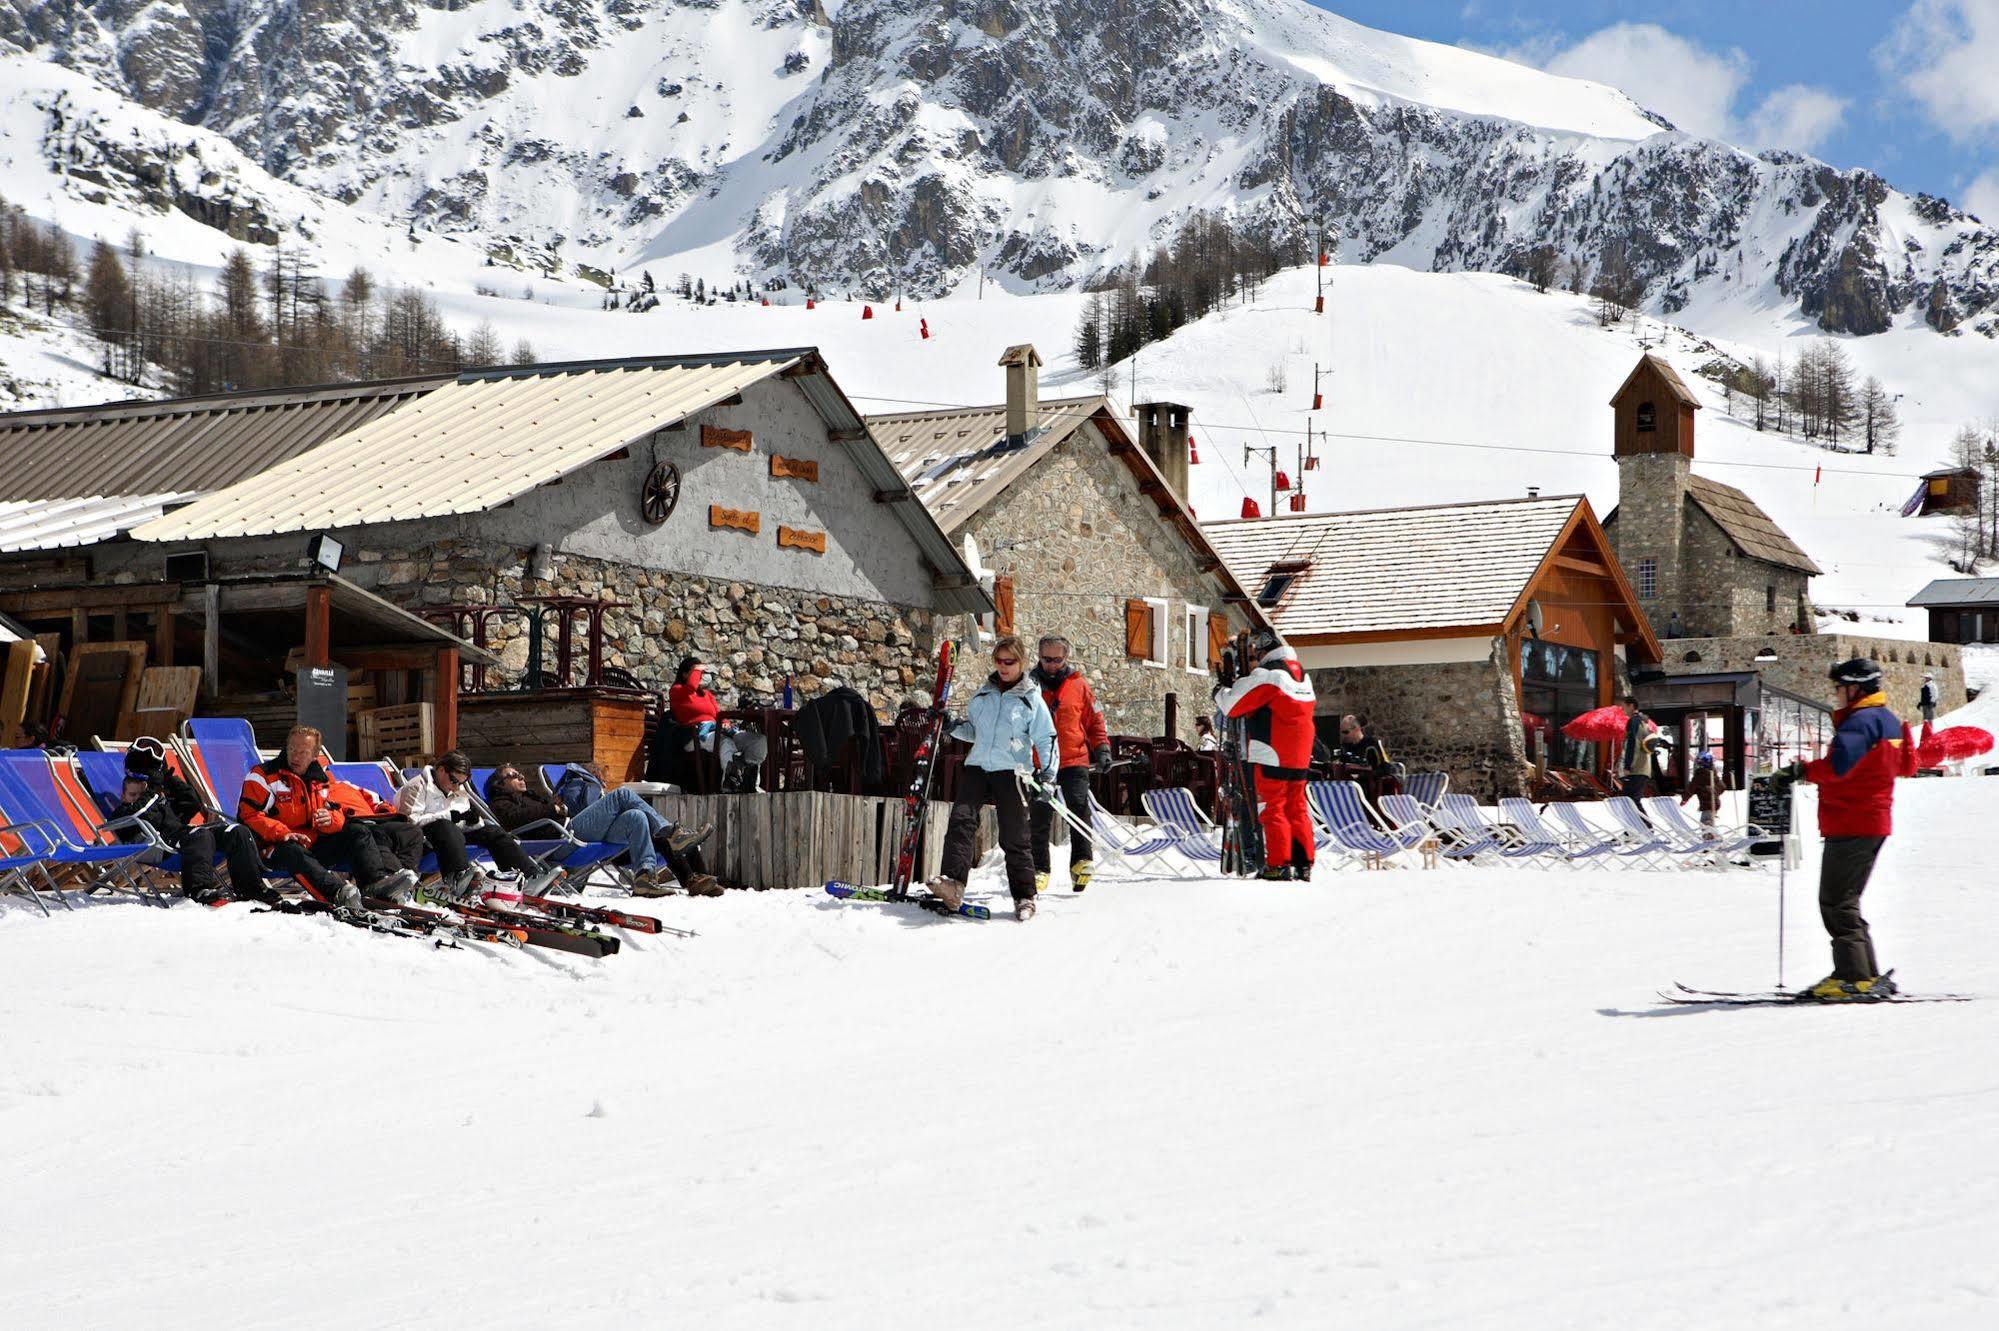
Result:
[
  {"x": 1958, "y": 591},
  {"x": 1748, "y": 526},
  {"x": 1397, "y": 571},
  {"x": 182, "y": 445},
  {"x": 50, "y": 524}
]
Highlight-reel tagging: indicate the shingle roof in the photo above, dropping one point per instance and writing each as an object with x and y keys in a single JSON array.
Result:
[
  {"x": 1747, "y": 526},
  {"x": 957, "y": 461},
  {"x": 182, "y": 444},
  {"x": 1958, "y": 591},
  {"x": 1397, "y": 569}
]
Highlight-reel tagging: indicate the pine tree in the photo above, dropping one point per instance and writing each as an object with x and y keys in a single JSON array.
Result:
[
  {"x": 1878, "y": 417},
  {"x": 107, "y": 304},
  {"x": 1089, "y": 335},
  {"x": 523, "y": 353}
]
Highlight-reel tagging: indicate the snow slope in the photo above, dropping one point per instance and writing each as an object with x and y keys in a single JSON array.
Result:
[{"x": 1385, "y": 1100}]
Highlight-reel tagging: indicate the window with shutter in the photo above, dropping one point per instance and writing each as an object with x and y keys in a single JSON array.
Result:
[
  {"x": 1003, "y": 605},
  {"x": 1137, "y": 629}
]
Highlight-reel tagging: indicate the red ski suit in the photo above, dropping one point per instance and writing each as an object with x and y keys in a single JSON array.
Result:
[
  {"x": 1856, "y": 778},
  {"x": 1278, "y": 702}
]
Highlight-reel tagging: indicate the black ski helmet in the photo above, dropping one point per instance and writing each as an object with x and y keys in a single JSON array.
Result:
[
  {"x": 1859, "y": 671},
  {"x": 1263, "y": 642},
  {"x": 145, "y": 759}
]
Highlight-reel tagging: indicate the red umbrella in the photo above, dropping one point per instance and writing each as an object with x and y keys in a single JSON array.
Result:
[
  {"x": 1605, "y": 725},
  {"x": 1953, "y": 744}
]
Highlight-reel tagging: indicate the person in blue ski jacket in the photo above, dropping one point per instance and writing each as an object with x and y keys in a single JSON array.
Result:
[{"x": 1011, "y": 732}]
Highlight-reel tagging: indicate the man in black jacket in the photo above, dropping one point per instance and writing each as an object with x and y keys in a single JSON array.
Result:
[{"x": 172, "y": 809}]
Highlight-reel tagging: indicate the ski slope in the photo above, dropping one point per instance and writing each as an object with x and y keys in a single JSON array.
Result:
[{"x": 1401, "y": 1100}]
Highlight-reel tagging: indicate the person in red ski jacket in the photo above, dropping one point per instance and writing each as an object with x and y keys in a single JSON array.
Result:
[
  {"x": 1082, "y": 742},
  {"x": 1277, "y": 701},
  {"x": 1856, "y": 780}
]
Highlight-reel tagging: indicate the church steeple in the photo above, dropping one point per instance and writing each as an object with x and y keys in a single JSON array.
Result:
[{"x": 1654, "y": 447}]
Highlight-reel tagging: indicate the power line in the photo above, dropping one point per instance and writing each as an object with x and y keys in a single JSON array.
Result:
[{"x": 1459, "y": 443}]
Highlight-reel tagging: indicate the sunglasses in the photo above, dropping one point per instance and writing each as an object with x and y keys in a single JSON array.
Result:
[
  {"x": 1006, "y": 660},
  {"x": 1054, "y": 660}
]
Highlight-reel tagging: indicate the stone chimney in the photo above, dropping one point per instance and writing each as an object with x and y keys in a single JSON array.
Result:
[
  {"x": 1162, "y": 433},
  {"x": 1023, "y": 390}
]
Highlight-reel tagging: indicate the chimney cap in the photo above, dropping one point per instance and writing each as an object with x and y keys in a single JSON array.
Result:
[
  {"x": 1163, "y": 406},
  {"x": 1022, "y": 354}
]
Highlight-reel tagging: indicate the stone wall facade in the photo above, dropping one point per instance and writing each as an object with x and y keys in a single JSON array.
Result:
[
  {"x": 1728, "y": 595},
  {"x": 1079, "y": 540},
  {"x": 1650, "y": 524},
  {"x": 1804, "y": 658},
  {"x": 1457, "y": 717}
]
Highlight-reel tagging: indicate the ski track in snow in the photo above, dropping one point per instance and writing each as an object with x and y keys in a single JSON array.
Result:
[{"x": 1403, "y": 1100}]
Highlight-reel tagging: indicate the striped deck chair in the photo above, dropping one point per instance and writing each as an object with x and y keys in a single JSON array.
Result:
[
  {"x": 1131, "y": 848},
  {"x": 1632, "y": 820},
  {"x": 1178, "y": 817},
  {"x": 70, "y": 823},
  {"x": 1342, "y": 811},
  {"x": 1406, "y": 814},
  {"x": 1670, "y": 818},
  {"x": 1427, "y": 788},
  {"x": 1512, "y": 842},
  {"x": 1536, "y": 833},
  {"x": 1619, "y": 845}
]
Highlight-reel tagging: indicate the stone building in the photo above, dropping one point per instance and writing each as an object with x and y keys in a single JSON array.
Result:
[
  {"x": 1468, "y": 634},
  {"x": 1085, "y": 532},
  {"x": 735, "y": 505},
  {"x": 1706, "y": 561}
]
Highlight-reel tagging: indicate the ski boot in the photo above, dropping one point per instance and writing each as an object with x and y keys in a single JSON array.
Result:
[
  {"x": 950, "y": 891},
  {"x": 1832, "y": 989},
  {"x": 1040, "y": 883},
  {"x": 1023, "y": 909},
  {"x": 1276, "y": 873},
  {"x": 347, "y": 897},
  {"x": 545, "y": 881},
  {"x": 459, "y": 886},
  {"x": 1880, "y": 987},
  {"x": 396, "y": 888},
  {"x": 651, "y": 883},
  {"x": 1079, "y": 876},
  {"x": 210, "y": 896}
]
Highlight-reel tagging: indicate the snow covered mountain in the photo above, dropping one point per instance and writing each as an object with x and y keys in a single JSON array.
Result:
[{"x": 873, "y": 145}]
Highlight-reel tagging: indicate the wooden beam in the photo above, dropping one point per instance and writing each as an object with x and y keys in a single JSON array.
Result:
[
  {"x": 60, "y": 599},
  {"x": 847, "y": 436},
  {"x": 1575, "y": 565},
  {"x": 211, "y": 641},
  {"x": 79, "y": 626},
  {"x": 445, "y": 706},
  {"x": 386, "y": 657},
  {"x": 318, "y": 626},
  {"x": 121, "y": 624},
  {"x": 894, "y": 496},
  {"x": 163, "y": 635}
]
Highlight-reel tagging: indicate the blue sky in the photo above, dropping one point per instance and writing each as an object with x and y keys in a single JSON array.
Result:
[{"x": 1908, "y": 88}]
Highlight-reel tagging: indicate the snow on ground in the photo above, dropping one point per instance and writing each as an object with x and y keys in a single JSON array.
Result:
[{"x": 1391, "y": 1100}]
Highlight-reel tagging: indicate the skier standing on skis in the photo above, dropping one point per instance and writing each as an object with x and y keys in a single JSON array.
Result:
[
  {"x": 1277, "y": 701},
  {"x": 1856, "y": 780},
  {"x": 1084, "y": 744},
  {"x": 1010, "y": 731}
]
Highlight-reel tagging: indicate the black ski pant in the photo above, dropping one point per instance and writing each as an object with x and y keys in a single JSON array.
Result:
[
  {"x": 684, "y": 863},
  {"x": 400, "y": 838},
  {"x": 368, "y": 861},
  {"x": 1843, "y": 875},
  {"x": 1074, "y": 783},
  {"x": 1633, "y": 789},
  {"x": 449, "y": 840},
  {"x": 237, "y": 845},
  {"x": 977, "y": 788}
]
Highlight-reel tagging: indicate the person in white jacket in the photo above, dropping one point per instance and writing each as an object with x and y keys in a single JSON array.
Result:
[{"x": 438, "y": 799}]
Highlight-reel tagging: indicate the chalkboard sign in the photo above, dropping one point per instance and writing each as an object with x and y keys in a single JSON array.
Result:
[
  {"x": 1770, "y": 809},
  {"x": 322, "y": 704}
]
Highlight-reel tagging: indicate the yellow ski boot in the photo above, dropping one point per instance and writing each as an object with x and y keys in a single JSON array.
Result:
[
  {"x": 1832, "y": 989},
  {"x": 1079, "y": 876},
  {"x": 1040, "y": 883}
]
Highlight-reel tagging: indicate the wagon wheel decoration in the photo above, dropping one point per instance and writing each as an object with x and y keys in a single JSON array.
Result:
[{"x": 660, "y": 493}]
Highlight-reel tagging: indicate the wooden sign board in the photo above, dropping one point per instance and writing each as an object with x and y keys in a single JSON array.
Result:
[
  {"x": 742, "y": 519},
  {"x": 795, "y": 468},
  {"x": 103, "y": 685},
  {"x": 798, "y": 539},
  {"x": 163, "y": 691},
  {"x": 716, "y": 436}
]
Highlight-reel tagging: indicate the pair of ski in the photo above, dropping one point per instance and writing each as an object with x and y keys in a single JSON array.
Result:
[
  {"x": 1691, "y": 997},
  {"x": 498, "y": 921},
  {"x": 915, "y": 803}
]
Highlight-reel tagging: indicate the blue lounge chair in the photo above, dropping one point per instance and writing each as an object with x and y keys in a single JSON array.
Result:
[
  {"x": 1342, "y": 811},
  {"x": 1176, "y": 815}
]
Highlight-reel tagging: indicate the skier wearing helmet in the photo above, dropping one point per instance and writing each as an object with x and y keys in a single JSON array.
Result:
[
  {"x": 1856, "y": 780},
  {"x": 1278, "y": 700}
]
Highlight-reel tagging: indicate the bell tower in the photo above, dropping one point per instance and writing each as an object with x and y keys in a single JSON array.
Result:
[{"x": 1654, "y": 446}]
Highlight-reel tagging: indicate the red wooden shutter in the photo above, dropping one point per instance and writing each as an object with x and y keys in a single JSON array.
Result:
[
  {"x": 1218, "y": 640},
  {"x": 1003, "y": 605},
  {"x": 1137, "y": 630}
]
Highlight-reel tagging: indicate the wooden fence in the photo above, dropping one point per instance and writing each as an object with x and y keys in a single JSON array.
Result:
[{"x": 805, "y": 838}]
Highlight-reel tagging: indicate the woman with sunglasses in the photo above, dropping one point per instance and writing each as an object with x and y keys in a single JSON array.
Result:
[{"x": 1010, "y": 731}]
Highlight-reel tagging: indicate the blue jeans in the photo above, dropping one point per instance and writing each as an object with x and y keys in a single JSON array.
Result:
[{"x": 626, "y": 819}]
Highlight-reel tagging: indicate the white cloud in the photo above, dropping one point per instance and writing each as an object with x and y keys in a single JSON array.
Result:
[
  {"x": 1695, "y": 87},
  {"x": 1943, "y": 53},
  {"x": 1796, "y": 116},
  {"x": 1981, "y": 197},
  {"x": 1691, "y": 86}
]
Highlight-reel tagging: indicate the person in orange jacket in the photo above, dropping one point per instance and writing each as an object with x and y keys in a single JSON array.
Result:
[
  {"x": 1870, "y": 748},
  {"x": 1083, "y": 743},
  {"x": 288, "y": 803}
]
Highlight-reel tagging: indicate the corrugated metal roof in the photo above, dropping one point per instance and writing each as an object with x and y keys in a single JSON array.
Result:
[
  {"x": 1958, "y": 591},
  {"x": 51, "y": 524},
  {"x": 470, "y": 445},
  {"x": 1397, "y": 569},
  {"x": 1747, "y": 526},
  {"x": 182, "y": 444},
  {"x": 957, "y": 461}
]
